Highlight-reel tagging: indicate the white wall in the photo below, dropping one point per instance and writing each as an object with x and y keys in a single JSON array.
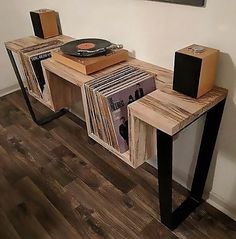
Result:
[{"x": 153, "y": 31}]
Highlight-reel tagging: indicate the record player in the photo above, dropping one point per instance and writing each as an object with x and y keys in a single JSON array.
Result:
[
  {"x": 89, "y": 47},
  {"x": 90, "y": 55}
]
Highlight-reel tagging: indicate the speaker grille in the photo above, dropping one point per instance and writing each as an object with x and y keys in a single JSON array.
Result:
[
  {"x": 186, "y": 74},
  {"x": 35, "y": 18}
]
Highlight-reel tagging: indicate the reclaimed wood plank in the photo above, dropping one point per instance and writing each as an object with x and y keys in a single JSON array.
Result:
[
  {"x": 56, "y": 85},
  {"x": 25, "y": 223},
  {"x": 156, "y": 230},
  {"x": 119, "y": 180},
  {"x": 48, "y": 216},
  {"x": 19, "y": 44},
  {"x": 7, "y": 231},
  {"x": 142, "y": 141},
  {"x": 170, "y": 111},
  {"x": 82, "y": 194}
]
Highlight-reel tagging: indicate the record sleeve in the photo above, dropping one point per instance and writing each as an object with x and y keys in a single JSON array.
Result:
[{"x": 107, "y": 99}]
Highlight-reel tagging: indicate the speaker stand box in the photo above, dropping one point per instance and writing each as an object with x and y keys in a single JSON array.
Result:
[{"x": 89, "y": 65}]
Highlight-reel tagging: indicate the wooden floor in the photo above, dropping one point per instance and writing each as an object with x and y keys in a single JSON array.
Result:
[{"x": 56, "y": 183}]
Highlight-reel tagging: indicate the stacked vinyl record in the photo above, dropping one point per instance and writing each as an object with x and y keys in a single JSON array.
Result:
[{"x": 107, "y": 99}]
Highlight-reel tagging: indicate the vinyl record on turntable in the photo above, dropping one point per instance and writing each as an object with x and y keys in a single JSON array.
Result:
[{"x": 88, "y": 47}]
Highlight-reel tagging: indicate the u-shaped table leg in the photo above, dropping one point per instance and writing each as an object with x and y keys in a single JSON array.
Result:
[{"x": 165, "y": 159}]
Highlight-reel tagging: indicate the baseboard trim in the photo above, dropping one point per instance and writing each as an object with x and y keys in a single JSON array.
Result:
[
  {"x": 9, "y": 90},
  {"x": 217, "y": 202},
  {"x": 212, "y": 198}
]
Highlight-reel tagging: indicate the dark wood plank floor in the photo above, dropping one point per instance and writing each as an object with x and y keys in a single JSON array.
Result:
[{"x": 56, "y": 183}]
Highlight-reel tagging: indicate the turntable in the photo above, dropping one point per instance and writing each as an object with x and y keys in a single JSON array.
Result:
[{"x": 90, "y": 55}]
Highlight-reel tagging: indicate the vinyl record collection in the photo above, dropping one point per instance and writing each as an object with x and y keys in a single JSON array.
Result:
[
  {"x": 107, "y": 99},
  {"x": 31, "y": 58}
]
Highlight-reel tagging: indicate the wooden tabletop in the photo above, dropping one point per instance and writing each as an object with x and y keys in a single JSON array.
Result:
[
  {"x": 170, "y": 111},
  {"x": 19, "y": 44}
]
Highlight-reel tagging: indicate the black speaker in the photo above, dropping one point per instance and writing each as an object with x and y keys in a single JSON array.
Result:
[
  {"x": 45, "y": 23},
  {"x": 195, "y": 70}
]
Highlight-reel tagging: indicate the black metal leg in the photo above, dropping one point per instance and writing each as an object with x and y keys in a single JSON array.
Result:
[
  {"x": 164, "y": 152},
  {"x": 27, "y": 100},
  {"x": 209, "y": 137}
]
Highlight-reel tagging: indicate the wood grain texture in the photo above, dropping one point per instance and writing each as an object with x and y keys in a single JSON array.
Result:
[
  {"x": 90, "y": 65},
  {"x": 142, "y": 141},
  {"x": 65, "y": 72},
  {"x": 54, "y": 184},
  {"x": 208, "y": 73},
  {"x": 7, "y": 231},
  {"x": 49, "y": 24},
  {"x": 164, "y": 76},
  {"x": 62, "y": 93},
  {"x": 19, "y": 44},
  {"x": 170, "y": 111},
  {"x": 124, "y": 156}
]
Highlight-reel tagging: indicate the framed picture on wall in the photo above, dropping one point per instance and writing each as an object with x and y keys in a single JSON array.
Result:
[{"x": 199, "y": 3}]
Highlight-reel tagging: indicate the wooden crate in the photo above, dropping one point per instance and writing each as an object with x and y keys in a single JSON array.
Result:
[
  {"x": 28, "y": 47},
  {"x": 63, "y": 94},
  {"x": 143, "y": 119}
]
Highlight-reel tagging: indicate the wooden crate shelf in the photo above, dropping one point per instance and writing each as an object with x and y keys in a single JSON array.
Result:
[
  {"x": 63, "y": 94},
  {"x": 46, "y": 102},
  {"x": 163, "y": 109},
  {"x": 141, "y": 128},
  {"x": 25, "y": 48},
  {"x": 167, "y": 111},
  {"x": 17, "y": 45}
]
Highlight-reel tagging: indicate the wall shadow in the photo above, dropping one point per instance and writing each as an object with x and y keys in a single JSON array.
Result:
[
  {"x": 59, "y": 23},
  {"x": 227, "y": 134}
]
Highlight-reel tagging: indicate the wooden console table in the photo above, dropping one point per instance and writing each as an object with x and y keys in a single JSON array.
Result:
[{"x": 153, "y": 121}]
